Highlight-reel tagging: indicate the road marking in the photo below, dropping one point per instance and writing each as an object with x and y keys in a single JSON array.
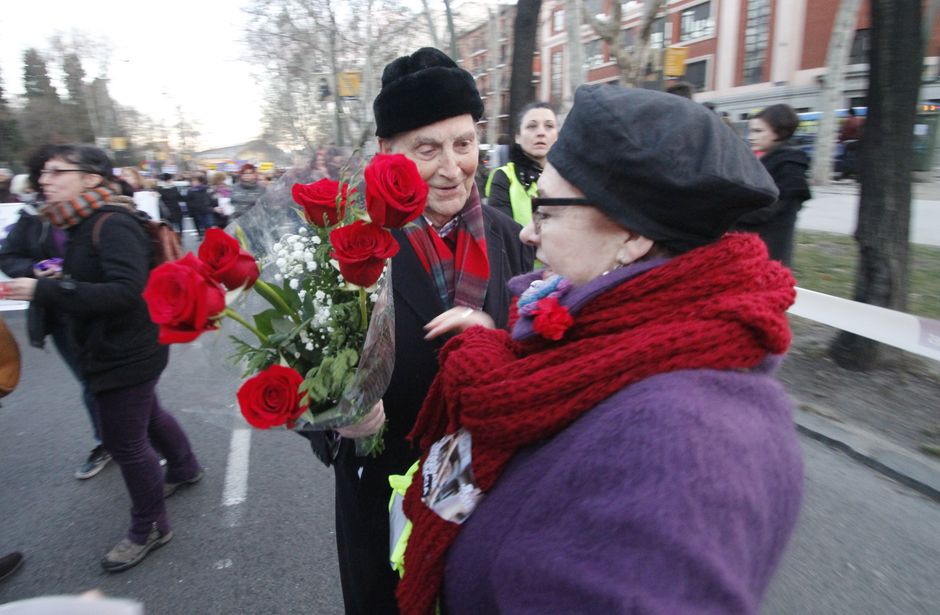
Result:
[{"x": 236, "y": 476}]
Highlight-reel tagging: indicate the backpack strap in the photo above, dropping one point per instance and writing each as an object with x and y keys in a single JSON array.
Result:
[{"x": 96, "y": 230}]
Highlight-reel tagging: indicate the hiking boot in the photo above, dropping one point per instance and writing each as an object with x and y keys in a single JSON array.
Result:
[
  {"x": 95, "y": 463},
  {"x": 128, "y": 553},
  {"x": 170, "y": 488},
  {"x": 10, "y": 563}
]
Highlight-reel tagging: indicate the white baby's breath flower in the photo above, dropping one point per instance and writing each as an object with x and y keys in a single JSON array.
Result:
[
  {"x": 309, "y": 346},
  {"x": 294, "y": 283},
  {"x": 278, "y": 277},
  {"x": 302, "y": 230},
  {"x": 319, "y": 295},
  {"x": 316, "y": 240}
]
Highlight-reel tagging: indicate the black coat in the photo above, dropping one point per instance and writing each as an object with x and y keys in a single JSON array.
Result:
[
  {"x": 100, "y": 294},
  {"x": 362, "y": 490},
  {"x": 776, "y": 223},
  {"x": 30, "y": 241}
]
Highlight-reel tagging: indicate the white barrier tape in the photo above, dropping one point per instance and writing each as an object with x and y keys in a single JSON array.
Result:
[{"x": 905, "y": 331}]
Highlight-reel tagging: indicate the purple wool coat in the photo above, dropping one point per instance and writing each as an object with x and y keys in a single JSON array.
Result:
[{"x": 675, "y": 496}]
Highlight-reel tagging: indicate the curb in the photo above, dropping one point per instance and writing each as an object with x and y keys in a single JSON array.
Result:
[{"x": 907, "y": 467}]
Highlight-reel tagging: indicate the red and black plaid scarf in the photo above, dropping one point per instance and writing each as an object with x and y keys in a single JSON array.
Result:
[
  {"x": 460, "y": 273},
  {"x": 69, "y": 213}
]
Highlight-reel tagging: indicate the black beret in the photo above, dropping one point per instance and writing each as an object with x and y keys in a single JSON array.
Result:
[
  {"x": 421, "y": 89},
  {"x": 659, "y": 164}
]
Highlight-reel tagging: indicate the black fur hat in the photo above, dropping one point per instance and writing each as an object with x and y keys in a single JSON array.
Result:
[{"x": 421, "y": 89}]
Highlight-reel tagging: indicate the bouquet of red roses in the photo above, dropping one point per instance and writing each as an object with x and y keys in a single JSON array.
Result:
[{"x": 322, "y": 351}]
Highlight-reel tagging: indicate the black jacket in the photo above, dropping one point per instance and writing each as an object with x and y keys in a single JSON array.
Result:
[
  {"x": 100, "y": 294},
  {"x": 775, "y": 223},
  {"x": 199, "y": 201},
  {"x": 362, "y": 489},
  {"x": 170, "y": 195},
  {"x": 30, "y": 241}
]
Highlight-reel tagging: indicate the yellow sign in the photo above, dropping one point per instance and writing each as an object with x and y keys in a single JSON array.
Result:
[
  {"x": 349, "y": 82},
  {"x": 118, "y": 144},
  {"x": 265, "y": 167},
  {"x": 674, "y": 63}
]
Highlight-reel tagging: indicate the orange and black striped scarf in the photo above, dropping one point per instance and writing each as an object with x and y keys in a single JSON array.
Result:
[{"x": 69, "y": 213}]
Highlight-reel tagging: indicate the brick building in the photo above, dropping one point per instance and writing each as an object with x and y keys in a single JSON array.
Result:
[{"x": 741, "y": 54}]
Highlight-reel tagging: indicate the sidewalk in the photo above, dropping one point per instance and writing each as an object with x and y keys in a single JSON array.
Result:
[
  {"x": 916, "y": 471},
  {"x": 834, "y": 209}
]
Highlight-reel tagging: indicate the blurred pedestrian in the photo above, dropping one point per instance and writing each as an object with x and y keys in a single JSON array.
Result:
[
  {"x": 511, "y": 187},
  {"x": 6, "y": 196},
  {"x": 221, "y": 194},
  {"x": 106, "y": 266},
  {"x": 170, "y": 197},
  {"x": 768, "y": 132},
  {"x": 35, "y": 249},
  {"x": 626, "y": 446},
  {"x": 246, "y": 191},
  {"x": 199, "y": 204}
]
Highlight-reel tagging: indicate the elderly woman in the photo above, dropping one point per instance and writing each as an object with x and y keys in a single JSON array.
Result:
[
  {"x": 106, "y": 265},
  {"x": 625, "y": 448}
]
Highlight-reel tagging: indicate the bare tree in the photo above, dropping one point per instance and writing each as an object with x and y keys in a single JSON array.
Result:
[
  {"x": 525, "y": 28},
  {"x": 452, "y": 30},
  {"x": 886, "y": 161},
  {"x": 631, "y": 63},
  {"x": 840, "y": 44},
  {"x": 493, "y": 95},
  {"x": 429, "y": 18},
  {"x": 575, "y": 52}
]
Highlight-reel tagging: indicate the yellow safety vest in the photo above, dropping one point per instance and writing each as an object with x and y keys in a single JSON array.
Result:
[{"x": 520, "y": 198}]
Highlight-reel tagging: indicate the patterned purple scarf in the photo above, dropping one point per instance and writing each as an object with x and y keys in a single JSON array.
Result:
[{"x": 461, "y": 274}]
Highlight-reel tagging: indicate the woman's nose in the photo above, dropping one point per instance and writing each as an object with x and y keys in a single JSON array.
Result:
[{"x": 529, "y": 234}]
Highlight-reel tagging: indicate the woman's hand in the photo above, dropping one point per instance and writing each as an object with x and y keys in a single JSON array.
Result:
[
  {"x": 456, "y": 320},
  {"x": 367, "y": 425},
  {"x": 18, "y": 289}
]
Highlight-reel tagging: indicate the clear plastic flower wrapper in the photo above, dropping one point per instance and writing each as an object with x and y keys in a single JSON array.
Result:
[{"x": 318, "y": 268}]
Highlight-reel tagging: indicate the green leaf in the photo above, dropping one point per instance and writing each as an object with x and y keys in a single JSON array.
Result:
[{"x": 263, "y": 320}]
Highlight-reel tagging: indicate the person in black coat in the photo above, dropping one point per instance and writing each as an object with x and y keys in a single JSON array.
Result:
[
  {"x": 440, "y": 136},
  {"x": 200, "y": 204},
  {"x": 170, "y": 197},
  {"x": 107, "y": 262},
  {"x": 768, "y": 132}
]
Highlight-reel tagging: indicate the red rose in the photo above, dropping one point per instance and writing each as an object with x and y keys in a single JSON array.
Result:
[
  {"x": 183, "y": 300},
  {"x": 361, "y": 249},
  {"x": 226, "y": 262},
  {"x": 319, "y": 200},
  {"x": 551, "y": 319},
  {"x": 395, "y": 192},
  {"x": 271, "y": 398}
]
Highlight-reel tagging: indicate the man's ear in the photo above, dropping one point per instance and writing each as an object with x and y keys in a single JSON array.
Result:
[{"x": 385, "y": 146}]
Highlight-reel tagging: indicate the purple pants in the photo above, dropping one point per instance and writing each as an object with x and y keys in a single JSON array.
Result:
[{"x": 133, "y": 423}]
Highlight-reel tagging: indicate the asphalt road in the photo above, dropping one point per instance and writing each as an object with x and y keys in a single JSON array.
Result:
[{"x": 255, "y": 537}]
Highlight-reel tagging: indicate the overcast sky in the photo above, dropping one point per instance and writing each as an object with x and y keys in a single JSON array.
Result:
[{"x": 181, "y": 52}]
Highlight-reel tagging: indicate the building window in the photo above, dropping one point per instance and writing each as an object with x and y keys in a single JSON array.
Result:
[
  {"x": 629, "y": 38},
  {"x": 658, "y": 33},
  {"x": 696, "y": 22},
  {"x": 756, "y": 33},
  {"x": 594, "y": 7},
  {"x": 696, "y": 73},
  {"x": 861, "y": 44},
  {"x": 557, "y": 68},
  {"x": 558, "y": 20},
  {"x": 593, "y": 54}
]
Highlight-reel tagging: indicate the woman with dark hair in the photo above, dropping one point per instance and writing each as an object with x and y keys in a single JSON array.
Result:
[
  {"x": 107, "y": 262},
  {"x": 511, "y": 187},
  {"x": 768, "y": 133}
]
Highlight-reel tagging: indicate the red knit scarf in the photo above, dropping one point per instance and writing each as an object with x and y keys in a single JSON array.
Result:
[
  {"x": 722, "y": 306},
  {"x": 461, "y": 274}
]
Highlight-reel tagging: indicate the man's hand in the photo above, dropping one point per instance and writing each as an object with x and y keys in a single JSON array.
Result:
[
  {"x": 368, "y": 425},
  {"x": 456, "y": 320}
]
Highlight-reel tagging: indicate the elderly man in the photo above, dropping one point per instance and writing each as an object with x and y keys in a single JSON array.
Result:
[{"x": 450, "y": 272}]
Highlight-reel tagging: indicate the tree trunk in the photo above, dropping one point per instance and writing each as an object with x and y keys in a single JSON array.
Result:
[
  {"x": 493, "y": 97},
  {"x": 886, "y": 161},
  {"x": 641, "y": 55},
  {"x": 525, "y": 29},
  {"x": 452, "y": 31},
  {"x": 430, "y": 19},
  {"x": 840, "y": 45},
  {"x": 575, "y": 52}
]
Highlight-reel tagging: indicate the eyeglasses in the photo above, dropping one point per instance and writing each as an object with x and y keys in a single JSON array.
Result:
[
  {"x": 58, "y": 172},
  {"x": 537, "y": 202}
]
